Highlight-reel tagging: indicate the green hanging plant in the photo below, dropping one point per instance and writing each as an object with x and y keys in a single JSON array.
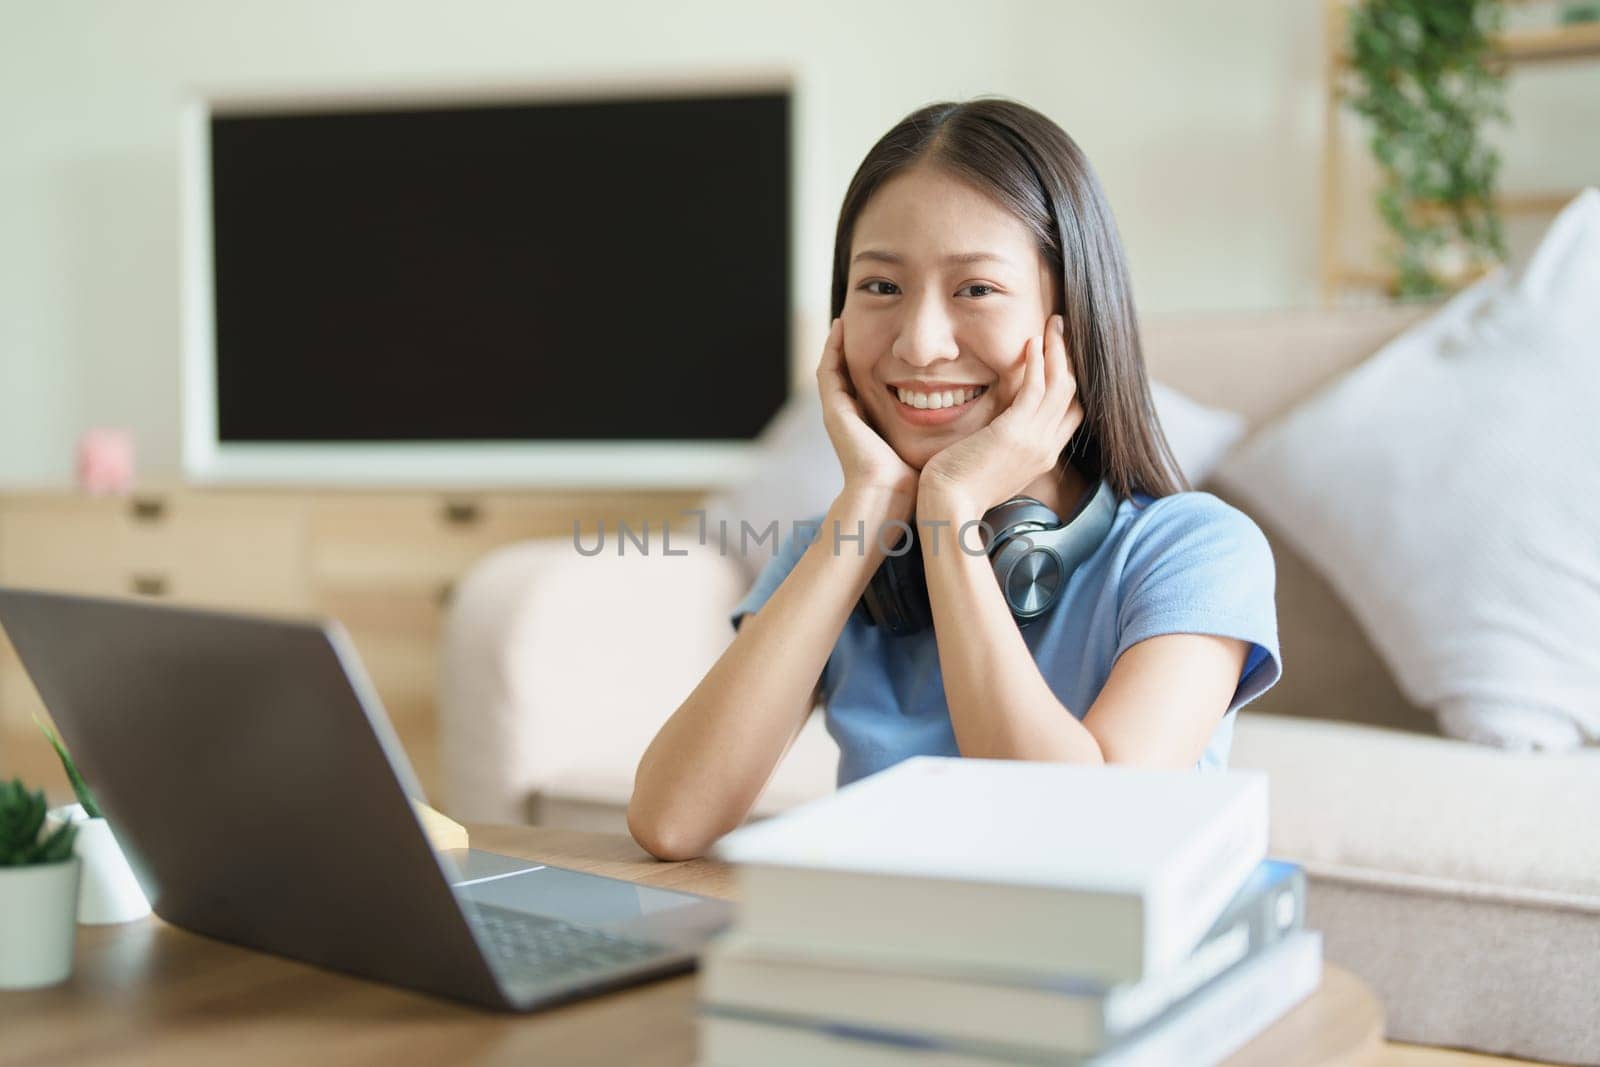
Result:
[{"x": 1426, "y": 82}]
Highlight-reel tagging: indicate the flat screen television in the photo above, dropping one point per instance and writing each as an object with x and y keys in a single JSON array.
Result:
[{"x": 529, "y": 288}]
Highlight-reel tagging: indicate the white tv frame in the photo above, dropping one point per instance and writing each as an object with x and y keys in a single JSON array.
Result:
[{"x": 650, "y": 464}]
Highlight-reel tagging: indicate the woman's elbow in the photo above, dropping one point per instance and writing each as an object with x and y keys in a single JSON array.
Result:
[{"x": 664, "y": 838}]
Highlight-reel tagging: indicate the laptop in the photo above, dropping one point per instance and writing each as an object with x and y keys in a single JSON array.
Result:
[{"x": 262, "y": 798}]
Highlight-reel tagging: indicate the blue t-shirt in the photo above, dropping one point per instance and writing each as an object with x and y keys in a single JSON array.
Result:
[{"x": 1185, "y": 563}]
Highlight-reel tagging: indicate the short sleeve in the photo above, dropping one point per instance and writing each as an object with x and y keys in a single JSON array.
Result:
[
  {"x": 1199, "y": 565},
  {"x": 777, "y": 568}
]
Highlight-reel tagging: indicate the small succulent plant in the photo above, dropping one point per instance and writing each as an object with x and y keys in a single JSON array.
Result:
[{"x": 21, "y": 818}]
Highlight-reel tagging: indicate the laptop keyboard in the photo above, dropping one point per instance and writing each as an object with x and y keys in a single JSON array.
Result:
[{"x": 537, "y": 947}]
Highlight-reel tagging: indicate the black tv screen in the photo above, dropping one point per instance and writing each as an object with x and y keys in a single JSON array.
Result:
[{"x": 567, "y": 270}]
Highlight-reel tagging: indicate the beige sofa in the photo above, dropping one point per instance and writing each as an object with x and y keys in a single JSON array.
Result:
[{"x": 1461, "y": 882}]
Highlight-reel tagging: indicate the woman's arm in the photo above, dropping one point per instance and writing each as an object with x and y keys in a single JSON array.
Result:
[
  {"x": 711, "y": 759},
  {"x": 709, "y": 762},
  {"x": 1158, "y": 708},
  {"x": 1164, "y": 698},
  {"x": 1000, "y": 704},
  {"x": 1165, "y": 694}
]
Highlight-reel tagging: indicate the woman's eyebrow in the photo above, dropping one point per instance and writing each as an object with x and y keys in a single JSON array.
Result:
[{"x": 884, "y": 256}]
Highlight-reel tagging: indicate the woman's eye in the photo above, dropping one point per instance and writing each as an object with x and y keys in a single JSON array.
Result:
[{"x": 879, "y": 287}]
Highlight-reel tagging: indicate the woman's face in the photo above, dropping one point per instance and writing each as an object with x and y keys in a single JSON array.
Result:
[{"x": 945, "y": 289}]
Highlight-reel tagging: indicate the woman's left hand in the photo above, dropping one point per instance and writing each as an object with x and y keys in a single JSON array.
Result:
[{"x": 1023, "y": 442}]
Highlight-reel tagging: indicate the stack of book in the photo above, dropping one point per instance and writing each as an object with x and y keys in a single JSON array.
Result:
[{"x": 976, "y": 912}]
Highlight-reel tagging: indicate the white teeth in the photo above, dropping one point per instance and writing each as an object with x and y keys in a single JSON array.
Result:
[{"x": 949, "y": 398}]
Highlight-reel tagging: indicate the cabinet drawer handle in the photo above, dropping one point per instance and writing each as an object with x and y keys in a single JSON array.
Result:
[
  {"x": 149, "y": 585},
  {"x": 148, "y": 508},
  {"x": 462, "y": 512}
]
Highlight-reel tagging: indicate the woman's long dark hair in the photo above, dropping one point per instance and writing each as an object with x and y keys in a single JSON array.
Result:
[{"x": 1031, "y": 167}]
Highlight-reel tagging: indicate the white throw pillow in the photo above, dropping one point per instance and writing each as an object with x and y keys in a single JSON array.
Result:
[
  {"x": 797, "y": 474},
  {"x": 1449, "y": 489},
  {"x": 1200, "y": 436}
]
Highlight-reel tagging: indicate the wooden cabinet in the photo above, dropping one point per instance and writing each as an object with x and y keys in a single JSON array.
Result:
[
  {"x": 212, "y": 551},
  {"x": 382, "y": 563}
]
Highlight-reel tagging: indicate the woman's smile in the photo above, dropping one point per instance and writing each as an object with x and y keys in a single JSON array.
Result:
[{"x": 929, "y": 406}]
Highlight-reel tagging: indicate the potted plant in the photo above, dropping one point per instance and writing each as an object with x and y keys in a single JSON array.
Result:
[
  {"x": 1428, "y": 82},
  {"x": 108, "y": 892},
  {"x": 38, "y": 892}
]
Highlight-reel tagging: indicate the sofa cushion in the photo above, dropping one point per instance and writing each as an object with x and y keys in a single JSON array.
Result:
[
  {"x": 1462, "y": 882},
  {"x": 1331, "y": 669},
  {"x": 1434, "y": 486},
  {"x": 1428, "y": 810}
]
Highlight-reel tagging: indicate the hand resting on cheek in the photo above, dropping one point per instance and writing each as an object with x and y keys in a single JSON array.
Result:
[
  {"x": 1023, "y": 442},
  {"x": 870, "y": 464}
]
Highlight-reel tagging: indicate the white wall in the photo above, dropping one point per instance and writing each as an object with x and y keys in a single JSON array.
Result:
[{"x": 1203, "y": 120}]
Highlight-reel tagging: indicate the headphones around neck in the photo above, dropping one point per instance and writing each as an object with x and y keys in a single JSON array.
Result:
[{"x": 1033, "y": 554}]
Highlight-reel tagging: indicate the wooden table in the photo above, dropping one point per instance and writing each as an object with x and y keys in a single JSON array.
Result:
[{"x": 147, "y": 992}]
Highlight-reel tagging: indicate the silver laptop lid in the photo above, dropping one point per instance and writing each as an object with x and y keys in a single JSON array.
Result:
[{"x": 258, "y": 798}]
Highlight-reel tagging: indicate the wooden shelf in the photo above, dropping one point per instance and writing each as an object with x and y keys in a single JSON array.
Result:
[
  {"x": 1580, "y": 40},
  {"x": 1366, "y": 277},
  {"x": 1546, "y": 203},
  {"x": 1539, "y": 45},
  {"x": 1387, "y": 280}
]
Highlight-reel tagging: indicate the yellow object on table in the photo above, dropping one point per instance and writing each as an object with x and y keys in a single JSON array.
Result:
[{"x": 443, "y": 833}]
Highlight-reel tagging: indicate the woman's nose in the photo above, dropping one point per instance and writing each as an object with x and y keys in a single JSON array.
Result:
[{"x": 925, "y": 335}]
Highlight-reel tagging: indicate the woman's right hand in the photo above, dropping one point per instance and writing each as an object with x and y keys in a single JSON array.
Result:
[{"x": 869, "y": 463}]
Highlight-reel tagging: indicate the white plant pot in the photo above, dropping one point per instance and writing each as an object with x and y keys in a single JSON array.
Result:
[
  {"x": 38, "y": 922},
  {"x": 108, "y": 891}
]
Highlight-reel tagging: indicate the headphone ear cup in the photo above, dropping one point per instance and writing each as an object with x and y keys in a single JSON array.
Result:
[
  {"x": 1034, "y": 553},
  {"x": 1031, "y": 576}
]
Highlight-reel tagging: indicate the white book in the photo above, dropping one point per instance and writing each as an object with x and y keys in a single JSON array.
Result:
[
  {"x": 1110, "y": 873},
  {"x": 1062, "y": 1014},
  {"x": 1210, "y": 1027}
]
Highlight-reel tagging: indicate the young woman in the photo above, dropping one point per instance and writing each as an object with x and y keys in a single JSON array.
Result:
[{"x": 984, "y": 347}]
